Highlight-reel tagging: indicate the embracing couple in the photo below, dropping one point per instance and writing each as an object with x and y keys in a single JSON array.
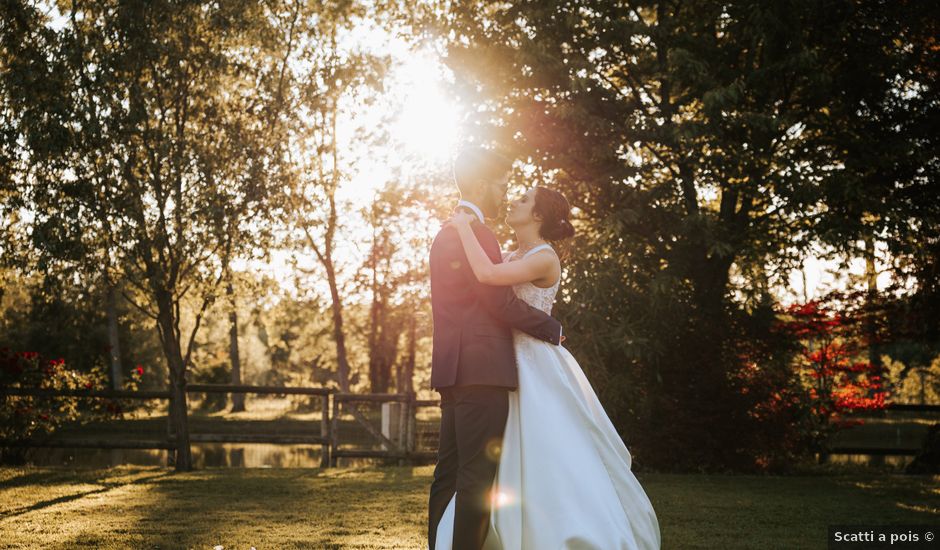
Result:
[{"x": 528, "y": 458}]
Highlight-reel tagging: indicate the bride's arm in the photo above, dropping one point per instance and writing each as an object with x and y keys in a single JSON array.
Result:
[{"x": 537, "y": 266}]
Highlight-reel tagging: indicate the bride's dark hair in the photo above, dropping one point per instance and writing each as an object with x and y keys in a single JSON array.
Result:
[{"x": 555, "y": 212}]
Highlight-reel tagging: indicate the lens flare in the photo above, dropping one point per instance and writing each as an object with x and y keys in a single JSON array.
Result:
[{"x": 501, "y": 497}]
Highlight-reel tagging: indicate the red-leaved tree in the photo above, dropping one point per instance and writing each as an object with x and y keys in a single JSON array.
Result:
[{"x": 833, "y": 362}]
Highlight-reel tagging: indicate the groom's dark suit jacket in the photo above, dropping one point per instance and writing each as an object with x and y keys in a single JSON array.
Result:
[{"x": 472, "y": 321}]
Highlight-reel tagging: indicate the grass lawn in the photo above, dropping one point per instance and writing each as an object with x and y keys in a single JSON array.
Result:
[{"x": 384, "y": 507}]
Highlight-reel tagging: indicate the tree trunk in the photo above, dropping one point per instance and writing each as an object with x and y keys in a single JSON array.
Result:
[
  {"x": 406, "y": 380},
  {"x": 339, "y": 336},
  {"x": 710, "y": 279},
  {"x": 375, "y": 332},
  {"x": 871, "y": 323},
  {"x": 238, "y": 399},
  {"x": 169, "y": 338},
  {"x": 114, "y": 341},
  {"x": 382, "y": 349}
]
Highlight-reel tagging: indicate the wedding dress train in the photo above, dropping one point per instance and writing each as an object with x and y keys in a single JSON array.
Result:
[{"x": 564, "y": 480}]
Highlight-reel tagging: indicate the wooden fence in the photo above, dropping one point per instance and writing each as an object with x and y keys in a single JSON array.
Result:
[
  {"x": 881, "y": 450},
  {"x": 402, "y": 447},
  {"x": 323, "y": 438}
]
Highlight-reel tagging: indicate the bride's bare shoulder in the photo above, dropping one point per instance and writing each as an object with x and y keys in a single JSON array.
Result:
[{"x": 549, "y": 252}]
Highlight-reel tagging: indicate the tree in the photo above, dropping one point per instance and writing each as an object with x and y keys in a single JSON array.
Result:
[
  {"x": 700, "y": 142},
  {"x": 156, "y": 159},
  {"x": 395, "y": 279},
  {"x": 835, "y": 342},
  {"x": 324, "y": 81}
]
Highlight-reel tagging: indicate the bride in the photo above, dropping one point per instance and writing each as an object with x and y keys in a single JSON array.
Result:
[{"x": 564, "y": 478}]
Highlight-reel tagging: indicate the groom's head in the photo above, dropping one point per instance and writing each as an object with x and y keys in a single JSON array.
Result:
[{"x": 482, "y": 176}]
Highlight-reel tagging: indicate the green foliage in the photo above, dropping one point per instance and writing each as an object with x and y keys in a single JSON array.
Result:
[{"x": 700, "y": 140}]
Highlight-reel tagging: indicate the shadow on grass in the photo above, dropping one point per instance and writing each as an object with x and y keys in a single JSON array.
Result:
[
  {"x": 715, "y": 511},
  {"x": 362, "y": 507},
  {"x": 35, "y": 478},
  {"x": 385, "y": 507}
]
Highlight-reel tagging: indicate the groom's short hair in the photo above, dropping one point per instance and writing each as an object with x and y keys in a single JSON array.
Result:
[{"x": 475, "y": 164}]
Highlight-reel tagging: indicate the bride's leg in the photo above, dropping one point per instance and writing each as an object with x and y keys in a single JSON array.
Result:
[{"x": 445, "y": 473}]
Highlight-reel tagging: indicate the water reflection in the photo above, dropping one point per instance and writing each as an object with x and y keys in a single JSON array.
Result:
[
  {"x": 898, "y": 462},
  {"x": 238, "y": 455},
  {"x": 263, "y": 455}
]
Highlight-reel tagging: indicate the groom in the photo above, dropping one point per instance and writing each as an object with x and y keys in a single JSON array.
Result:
[{"x": 473, "y": 363}]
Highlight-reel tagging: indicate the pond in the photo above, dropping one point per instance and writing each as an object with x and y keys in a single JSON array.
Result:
[
  {"x": 891, "y": 462},
  {"x": 237, "y": 455},
  {"x": 205, "y": 455}
]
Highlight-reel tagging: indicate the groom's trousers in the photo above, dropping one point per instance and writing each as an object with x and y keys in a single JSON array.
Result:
[{"x": 473, "y": 419}]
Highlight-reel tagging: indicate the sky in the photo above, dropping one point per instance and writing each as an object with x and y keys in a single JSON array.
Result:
[{"x": 822, "y": 274}]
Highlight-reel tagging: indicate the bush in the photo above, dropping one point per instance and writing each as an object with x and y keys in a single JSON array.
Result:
[{"x": 24, "y": 417}]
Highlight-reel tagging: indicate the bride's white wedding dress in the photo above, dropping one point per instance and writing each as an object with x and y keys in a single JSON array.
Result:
[{"x": 564, "y": 479}]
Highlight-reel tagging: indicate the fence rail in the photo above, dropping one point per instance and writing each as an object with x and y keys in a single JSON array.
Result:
[
  {"x": 914, "y": 407},
  {"x": 402, "y": 447},
  {"x": 323, "y": 439},
  {"x": 88, "y": 443},
  {"x": 108, "y": 394},
  {"x": 873, "y": 451},
  {"x": 881, "y": 451},
  {"x": 396, "y": 442}
]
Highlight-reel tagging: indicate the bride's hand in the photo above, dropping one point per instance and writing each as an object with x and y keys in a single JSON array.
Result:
[{"x": 460, "y": 218}]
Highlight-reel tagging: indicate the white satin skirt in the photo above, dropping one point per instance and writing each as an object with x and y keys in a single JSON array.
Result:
[{"x": 564, "y": 480}]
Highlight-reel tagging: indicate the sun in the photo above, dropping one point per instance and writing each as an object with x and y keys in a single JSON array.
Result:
[
  {"x": 427, "y": 123},
  {"x": 420, "y": 122}
]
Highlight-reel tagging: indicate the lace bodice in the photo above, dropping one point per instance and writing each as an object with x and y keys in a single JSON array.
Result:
[{"x": 542, "y": 298}]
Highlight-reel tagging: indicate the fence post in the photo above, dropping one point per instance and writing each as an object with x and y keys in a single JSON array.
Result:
[
  {"x": 412, "y": 425},
  {"x": 403, "y": 430},
  {"x": 325, "y": 430},
  {"x": 170, "y": 436},
  {"x": 334, "y": 432}
]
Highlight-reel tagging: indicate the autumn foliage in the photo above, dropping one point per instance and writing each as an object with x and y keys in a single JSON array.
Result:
[{"x": 832, "y": 363}]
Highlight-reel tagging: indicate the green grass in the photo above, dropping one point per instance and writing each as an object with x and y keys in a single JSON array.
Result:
[{"x": 384, "y": 507}]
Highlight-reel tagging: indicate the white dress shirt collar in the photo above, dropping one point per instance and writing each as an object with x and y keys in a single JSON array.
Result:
[{"x": 471, "y": 206}]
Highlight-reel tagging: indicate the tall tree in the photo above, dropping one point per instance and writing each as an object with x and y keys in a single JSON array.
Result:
[
  {"x": 161, "y": 157},
  {"x": 238, "y": 399},
  {"x": 325, "y": 80},
  {"x": 394, "y": 278},
  {"x": 696, "y": 140}
]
